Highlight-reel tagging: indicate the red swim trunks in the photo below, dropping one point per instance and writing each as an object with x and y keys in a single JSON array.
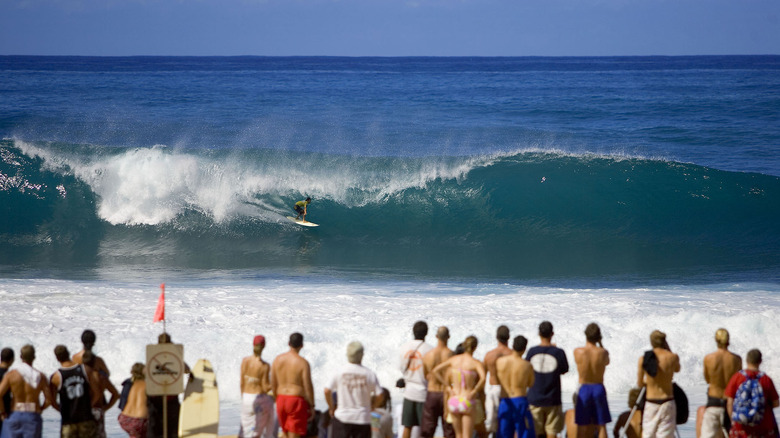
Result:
[
  {"x": 293, "y": 413},
  {"x": 135, "y": 427}
]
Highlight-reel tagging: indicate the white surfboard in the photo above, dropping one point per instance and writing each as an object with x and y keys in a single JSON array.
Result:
[
  {"x": 300, "y": 222},
  {"x": 199, "y": 412}
]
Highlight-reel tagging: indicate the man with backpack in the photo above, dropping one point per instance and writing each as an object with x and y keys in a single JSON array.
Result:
[{"x": 751, "y": 398}]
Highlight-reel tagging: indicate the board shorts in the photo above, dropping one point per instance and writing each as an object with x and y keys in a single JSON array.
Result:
[
  {"x": 548, "y": 419},
  {"x": 659, "y": 419},
  {"x": 298, "y": 209},
  {"x": 100, "y": 417},
  {"x": 412, "y": 413},
  {"x": 592, "y": 406},
  {"x": 257, "y": 416},
  {"x": 433, "y": 409},
  {"x": 492, "y": 401},
  {"x": 26, "y": 424},
  {"x": 293, "y": 412},
  {"x": 515, "y": 419},
  {"x": 714, "y": 419},
  {"x": 84, "y": 429},
  {"x": 135, "y": 427}
]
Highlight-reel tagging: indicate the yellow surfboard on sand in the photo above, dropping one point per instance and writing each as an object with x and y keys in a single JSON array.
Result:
[{"x": 199, "y": 413}]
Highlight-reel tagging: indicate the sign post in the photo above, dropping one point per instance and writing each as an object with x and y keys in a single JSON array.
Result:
[{"x": 164, "y": 374}]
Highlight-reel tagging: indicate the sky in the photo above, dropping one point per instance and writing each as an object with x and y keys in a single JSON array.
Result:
[{"x": 389, "y": 27}]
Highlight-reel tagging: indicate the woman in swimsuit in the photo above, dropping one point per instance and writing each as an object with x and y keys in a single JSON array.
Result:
[{"x": 465, "y": 378}]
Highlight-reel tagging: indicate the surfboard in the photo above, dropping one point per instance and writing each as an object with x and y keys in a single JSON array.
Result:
[
  {"x": 300, "y": 222},
  {"x": 199, "y": 412}
]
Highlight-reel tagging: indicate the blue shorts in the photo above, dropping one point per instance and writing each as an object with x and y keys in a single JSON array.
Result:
[
  {"x": 23, "y": 424},
  {"x": 592, "y": 407},
  {"x": 514, "y": 416}
]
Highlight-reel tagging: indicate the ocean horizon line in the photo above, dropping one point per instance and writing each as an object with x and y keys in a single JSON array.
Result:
[{"x": 659, "y": 56}]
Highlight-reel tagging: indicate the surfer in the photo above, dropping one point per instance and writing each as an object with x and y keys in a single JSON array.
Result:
[
  {"x": 591, "y": 410},
  {"x": 291, "y": 384},
  {"x": 257, "y": 407},
  {"x": 300, "y": 208}
]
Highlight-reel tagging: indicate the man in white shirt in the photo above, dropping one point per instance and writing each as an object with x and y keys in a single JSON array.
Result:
[
  {"x": 354, "y": 385},
  {"x": 416, "y": 385}
]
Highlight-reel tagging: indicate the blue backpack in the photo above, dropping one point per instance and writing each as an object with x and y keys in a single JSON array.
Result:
[{"x": 749, "y": 402}]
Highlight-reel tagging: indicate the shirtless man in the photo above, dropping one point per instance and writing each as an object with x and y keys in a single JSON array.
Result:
[
  {"x": 515, "y": 375},
  {"x": 26, "y": 385},
  {"x": 434, "y": 401},
  {"x": 493, "y": 389},
  {"x": 291, "y": 384},
  {"x": 88, "y": 339},
  {"x": 655, "y": 371},
  {"x": 591, "y": 411},
  {"x": 718, "y": 369},
  {"x": 257, "y": 407},
  {"x": 105, "y": 384}
]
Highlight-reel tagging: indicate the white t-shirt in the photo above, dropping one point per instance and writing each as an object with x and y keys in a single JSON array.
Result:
[
  {"x": 416, "y": 383},
  {"x": 354, "y": 386}
]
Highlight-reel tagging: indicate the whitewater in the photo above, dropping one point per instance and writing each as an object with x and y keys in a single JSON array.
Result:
[
  {"x": 217, "y": 318},
  {"x": 638, "y": 193}
]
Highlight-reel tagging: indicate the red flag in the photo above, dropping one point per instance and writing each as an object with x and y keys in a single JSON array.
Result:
[{"x": 159, "y": 314}]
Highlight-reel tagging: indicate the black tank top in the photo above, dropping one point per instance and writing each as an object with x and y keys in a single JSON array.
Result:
[{"x": 75, "y": 395}]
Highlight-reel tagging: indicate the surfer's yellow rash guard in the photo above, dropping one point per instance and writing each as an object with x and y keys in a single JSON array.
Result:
[{"x": 301, "y": 204}]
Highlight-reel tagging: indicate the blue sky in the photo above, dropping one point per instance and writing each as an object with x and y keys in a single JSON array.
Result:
[{"x": 389, "y": 27}]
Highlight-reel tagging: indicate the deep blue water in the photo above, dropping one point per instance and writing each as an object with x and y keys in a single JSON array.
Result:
[{"x": 520, "y": 168}]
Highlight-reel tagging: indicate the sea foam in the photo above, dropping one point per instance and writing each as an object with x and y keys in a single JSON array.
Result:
[{"x": 217, "y": 319}]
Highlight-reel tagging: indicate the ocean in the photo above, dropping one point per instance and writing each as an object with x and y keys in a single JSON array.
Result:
[{"x": 641, "y": 193}]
